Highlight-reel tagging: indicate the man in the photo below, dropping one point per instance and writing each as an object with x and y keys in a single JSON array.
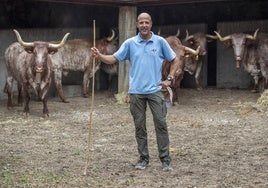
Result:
[{"x": 146, "y": 53}]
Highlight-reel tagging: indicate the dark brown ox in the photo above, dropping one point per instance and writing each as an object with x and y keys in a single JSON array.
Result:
[
  {"x": 29, "y": 64},
  {"x": 76, "y": 56},
  {"x": 252, "y": 52},
  {"x": 181, "y": 51},
  {"x": 193, "y": 65}
]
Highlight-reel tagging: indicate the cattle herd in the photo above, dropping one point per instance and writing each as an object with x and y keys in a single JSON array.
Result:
[{"x": 31, "y": 64}]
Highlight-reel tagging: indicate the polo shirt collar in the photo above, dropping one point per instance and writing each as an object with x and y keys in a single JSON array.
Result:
[{"x": 141, "y": 40}]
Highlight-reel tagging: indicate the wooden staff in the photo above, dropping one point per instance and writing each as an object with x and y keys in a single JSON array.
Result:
[{"x": 92, "y": 104}]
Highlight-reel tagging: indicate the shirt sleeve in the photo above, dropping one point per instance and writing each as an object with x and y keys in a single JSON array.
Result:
[{"x": 123, "y": 52}]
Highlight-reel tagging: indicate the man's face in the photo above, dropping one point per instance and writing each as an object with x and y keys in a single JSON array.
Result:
[{"x": 144, "y": 24}]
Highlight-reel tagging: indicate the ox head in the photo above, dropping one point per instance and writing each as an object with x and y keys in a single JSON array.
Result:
[
  {"x": 109, "y": 44},
  {"x": 180, "y": 49},
  {"x": 40, "y": 51},
  {"x": 199, "y": 40},
  {"x": 238, "y": 41}
]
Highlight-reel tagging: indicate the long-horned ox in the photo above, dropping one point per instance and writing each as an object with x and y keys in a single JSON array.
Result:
[
  {"x": 252, "y": 52},
  {"x": 181, "y": 52},
  {"x": 29, "y": 64},
  {"x": 76, "y": 56},
  {"x": 193, "y": 65}
]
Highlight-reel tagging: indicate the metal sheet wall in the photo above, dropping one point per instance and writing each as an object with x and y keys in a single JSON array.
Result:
[
  {"x": 7, "y": 37},
  {"x": 228, "y": 76}
]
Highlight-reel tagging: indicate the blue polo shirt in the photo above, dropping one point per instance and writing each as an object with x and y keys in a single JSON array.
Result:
[{"x": 146, "y": 58}]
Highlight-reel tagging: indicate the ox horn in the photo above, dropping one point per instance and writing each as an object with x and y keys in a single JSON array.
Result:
[
  {"x": 61, "y": 43},
  {"x": 178, "y": 33},
  {"x": 187, "y": 35},
  {"x": 25, "y": 44},
  {"x": 195, "y": 52},
  {"x": 159, "y": 32},
  {"x": 212, "y": 36},
  {"x": 254, "y": 36},
  {"x": 224, "y": 38},
  {"x": 111, "y": 37}
]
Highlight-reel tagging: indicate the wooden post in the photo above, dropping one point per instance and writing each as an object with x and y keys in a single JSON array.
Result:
[
  {"x": 127, "y": 29},
  {"x": 90, "y": 123}
]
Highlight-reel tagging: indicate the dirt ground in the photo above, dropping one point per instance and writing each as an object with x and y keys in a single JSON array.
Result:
[{"x": 218, "y": 138}]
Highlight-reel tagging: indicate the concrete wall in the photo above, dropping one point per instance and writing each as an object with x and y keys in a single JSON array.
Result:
[
  {"x": 228, "y": 76},
  {"x": 7, "y": 37}
]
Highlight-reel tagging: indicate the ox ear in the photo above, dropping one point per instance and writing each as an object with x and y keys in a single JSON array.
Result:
[
  {"x": 228, "y": 43},
  {"x": 191, "y": 41},
  {"x": 29, "y": 50},
  {"x": 52, "y": 51},
  {"x": 250, "y": 42}
]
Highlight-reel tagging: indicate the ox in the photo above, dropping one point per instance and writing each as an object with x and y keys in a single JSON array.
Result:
[
  {"x": 181, "y": 52},
  {"x": 252, "y": 52},
  {"x": 29, "y": 64},
  {"x": 76, "y": 56},
  {"x": 111, "y": 70},
  {"x": 193, "y": 65}
]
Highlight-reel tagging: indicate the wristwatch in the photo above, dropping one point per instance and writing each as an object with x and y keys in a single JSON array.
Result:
[{"x": 170, "y": 78}]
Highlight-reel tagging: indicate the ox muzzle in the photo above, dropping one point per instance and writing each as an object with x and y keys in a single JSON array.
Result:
[{"x": 238, "y": 59}]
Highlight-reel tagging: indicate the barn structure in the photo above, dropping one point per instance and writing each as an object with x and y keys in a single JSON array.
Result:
[{"x": 50, "y": 19}]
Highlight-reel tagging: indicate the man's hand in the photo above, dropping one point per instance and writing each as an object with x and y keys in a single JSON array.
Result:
[
  {"x": 165, "y": 83},
  {"x": 95, "y": 52}
]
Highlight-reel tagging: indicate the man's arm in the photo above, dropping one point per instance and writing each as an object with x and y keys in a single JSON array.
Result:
[
  {"x": 108, "y": 59},
  {"x": 176, "y": 67}
]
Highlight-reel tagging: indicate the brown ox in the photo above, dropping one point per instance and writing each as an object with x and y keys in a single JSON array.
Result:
[
  {"x": 181, "y": 51},
  {"x": 252, "y": 52},
  {"x": 193, "y": 65},
  {"x": 76, "y": 56},
  {"x": 29, "y": 64}
]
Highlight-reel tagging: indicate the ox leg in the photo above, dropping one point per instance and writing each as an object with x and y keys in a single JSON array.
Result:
[
  {"x": 86, "y": 81},
  {"x": 256, "y": 84},
  {"x": 175, "y": 96},
  {"x": 265, "y": 83},
  {"x": 58, "y": 83},
  {"x": 20, "y": 97},
  {"x": 9, "y": 95},
  {"x": 45, "y": 108},
  {"x": 8, "y": 90},
  {"x": 26, "y": 98},
  {"x": 197, "y": 76},
  {"x": 43, "y": 96},
  {"x": 176, "y": 89}
]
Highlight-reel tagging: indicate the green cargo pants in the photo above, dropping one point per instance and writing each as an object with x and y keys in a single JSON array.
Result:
[{"x": 138, "y": 105}]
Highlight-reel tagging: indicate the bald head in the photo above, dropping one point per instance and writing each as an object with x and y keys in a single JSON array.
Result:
[{"x": 144, "y": 15}]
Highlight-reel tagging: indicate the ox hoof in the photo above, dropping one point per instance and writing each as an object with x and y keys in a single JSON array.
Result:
[
  {"x": 65, "y": 101},
  {"x": 45, "y": 115},
  {"x": 175, "y": 103},
  {"x": 26, "y": 114},
  {"x": 199, "y": 89},
  {"x": 254, "y": 91},
  {"x": 86, "y": 95},
  {"x": 10, "y": 107}
]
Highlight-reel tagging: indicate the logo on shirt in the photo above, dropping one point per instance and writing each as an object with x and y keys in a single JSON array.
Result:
[{"x": 153, "y": 50}]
